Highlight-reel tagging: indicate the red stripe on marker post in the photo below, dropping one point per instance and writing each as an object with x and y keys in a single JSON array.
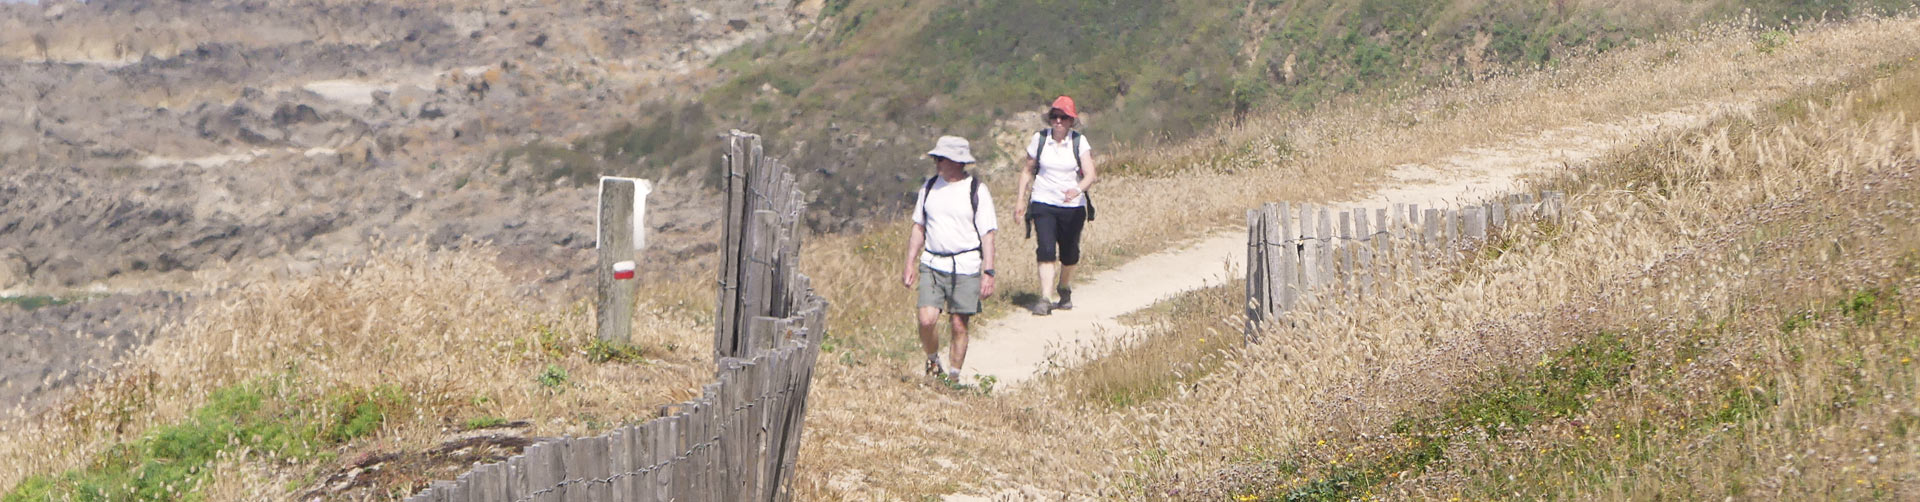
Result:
[{"x": 623, "y": 270}]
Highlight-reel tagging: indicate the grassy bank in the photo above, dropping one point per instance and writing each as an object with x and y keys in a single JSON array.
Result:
[{"x": 1731, "y": 317}]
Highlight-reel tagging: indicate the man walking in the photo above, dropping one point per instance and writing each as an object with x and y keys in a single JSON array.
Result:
[{"x": 950, "y": 252}]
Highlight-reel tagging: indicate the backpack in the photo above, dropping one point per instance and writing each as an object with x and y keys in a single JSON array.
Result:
[
  {"x": 1075, "y": 136},
  {"x": 973, "y": 197}
]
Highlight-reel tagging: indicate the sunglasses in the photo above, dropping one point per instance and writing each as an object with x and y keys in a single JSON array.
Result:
[{"x": 1057, "y": 116}]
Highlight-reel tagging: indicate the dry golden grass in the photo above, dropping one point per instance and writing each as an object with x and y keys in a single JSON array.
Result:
[
  {"x": 1055, "y": 439},
  {"x": 443, "y": 327},
  {"x": 1697, "y": 247}
]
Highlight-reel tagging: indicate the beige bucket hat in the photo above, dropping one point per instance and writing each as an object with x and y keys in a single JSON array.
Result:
[{"x": 952, "y": 148}]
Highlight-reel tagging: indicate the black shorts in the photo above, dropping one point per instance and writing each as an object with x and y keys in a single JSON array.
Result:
[{"x": 1059, "y": 231}]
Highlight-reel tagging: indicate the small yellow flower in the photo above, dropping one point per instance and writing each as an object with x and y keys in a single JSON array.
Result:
[
  {"x": 1906, "y": 360},
  {"x": 1203, "y": 340},
  {"x": 1322, "y": 442}
]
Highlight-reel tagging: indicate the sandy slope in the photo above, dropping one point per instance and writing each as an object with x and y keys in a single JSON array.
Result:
[{"x": 1020, "y": 347}]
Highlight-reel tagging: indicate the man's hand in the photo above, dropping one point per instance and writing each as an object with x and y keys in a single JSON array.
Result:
[
  {"x": 986, "y": 286},
  {"x": 910, "y": 275}
]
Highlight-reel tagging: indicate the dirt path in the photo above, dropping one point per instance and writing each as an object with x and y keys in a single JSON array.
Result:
[{"x": 1020, "y": 347}]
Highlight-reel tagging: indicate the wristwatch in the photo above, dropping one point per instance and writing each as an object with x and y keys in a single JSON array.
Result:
[{"x": 989, "y": 272}]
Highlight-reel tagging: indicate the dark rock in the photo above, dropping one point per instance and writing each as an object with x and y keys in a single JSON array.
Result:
[{"x": 290, "y": 114}]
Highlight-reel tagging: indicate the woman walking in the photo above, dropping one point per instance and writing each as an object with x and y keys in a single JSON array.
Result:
[{"x": 1059, "y": 171}]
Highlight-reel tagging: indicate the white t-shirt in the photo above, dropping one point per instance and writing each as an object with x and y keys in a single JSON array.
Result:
[
  {"x": 948, "y": 205},
  {"x": 1059, "y": 169}
]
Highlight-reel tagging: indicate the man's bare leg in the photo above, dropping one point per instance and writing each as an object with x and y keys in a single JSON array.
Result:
[
  {"x": 929, "y": 322},
  {"x": 958, "y": 351}
]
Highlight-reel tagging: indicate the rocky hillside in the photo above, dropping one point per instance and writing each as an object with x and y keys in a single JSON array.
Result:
[
  {"x": 276, "y": 136},
  {"x": 173, "y": 146}
]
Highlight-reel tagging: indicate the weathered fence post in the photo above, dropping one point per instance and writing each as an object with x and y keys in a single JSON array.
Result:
[
  {"x": 1348, "y": 256},
  {"x": 732, "y": 227},
  {"x": 1310, "y": 251},
  {"x": 1556, "y": 206},
  {"x": 1328, "y": 246},
  {"x": 1286, "y": 256},
  {"x": 1474, "y": 219},
  {"x": 621, "y": 233},
  {"x": 1363, "y": 254},
  {"x": 1256, "y": 274}
]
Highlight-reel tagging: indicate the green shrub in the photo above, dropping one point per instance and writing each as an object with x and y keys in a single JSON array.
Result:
[
  {"x": 553, "y": 377},
  {"x": 263, "y": 416},
  {"x": 484, "y": 422}
]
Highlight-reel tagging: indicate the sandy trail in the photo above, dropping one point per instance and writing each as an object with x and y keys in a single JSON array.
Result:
[{"x": 1022, "y": 346}]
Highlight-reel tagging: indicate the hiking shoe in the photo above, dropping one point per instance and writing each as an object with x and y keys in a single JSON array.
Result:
[
  {"x": 1066, "y": 300},
  {"x": 933, "y": 366},
  {"x": 1043, "y": 307}
]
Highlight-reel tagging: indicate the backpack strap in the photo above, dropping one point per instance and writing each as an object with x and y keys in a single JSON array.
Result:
[
  {"x": 973, "y": 198},
  {"x": 925, "y": 193},
  {"x": 1040, "y": 141},
  {"x": 1076, "y": 154}
]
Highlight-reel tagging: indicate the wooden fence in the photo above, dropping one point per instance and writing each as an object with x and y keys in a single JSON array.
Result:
[
  {"x": 1297, "y": 252},
  {"x": 739, "y": 439}
]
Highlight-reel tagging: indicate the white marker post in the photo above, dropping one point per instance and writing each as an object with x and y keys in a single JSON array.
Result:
[{"x": 621, "y": 227}]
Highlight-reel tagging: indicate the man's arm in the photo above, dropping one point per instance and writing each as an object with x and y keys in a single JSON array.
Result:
[{"x": 916, "y": 241}]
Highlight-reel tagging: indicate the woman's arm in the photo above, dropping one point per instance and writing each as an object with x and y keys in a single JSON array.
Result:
[
  {"x": 986, "y": 263},
  {"x": 1088, "y": 175}
]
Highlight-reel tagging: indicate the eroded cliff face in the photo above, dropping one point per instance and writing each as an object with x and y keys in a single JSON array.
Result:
[
  {"x": 142, "y": 138},
  {"x": 172, "y": 146}
]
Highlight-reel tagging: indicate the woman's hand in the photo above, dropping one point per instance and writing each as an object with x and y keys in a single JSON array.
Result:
[
  {"x": 1071, "y": 193},
  {"x": 1020, "y": 212}
]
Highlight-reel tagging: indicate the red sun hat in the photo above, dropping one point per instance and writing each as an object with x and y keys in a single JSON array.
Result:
[{"x": 1065, "y": 105}]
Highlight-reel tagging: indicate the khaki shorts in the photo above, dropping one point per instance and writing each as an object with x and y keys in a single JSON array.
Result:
[{"x": 956, "y": 294}]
